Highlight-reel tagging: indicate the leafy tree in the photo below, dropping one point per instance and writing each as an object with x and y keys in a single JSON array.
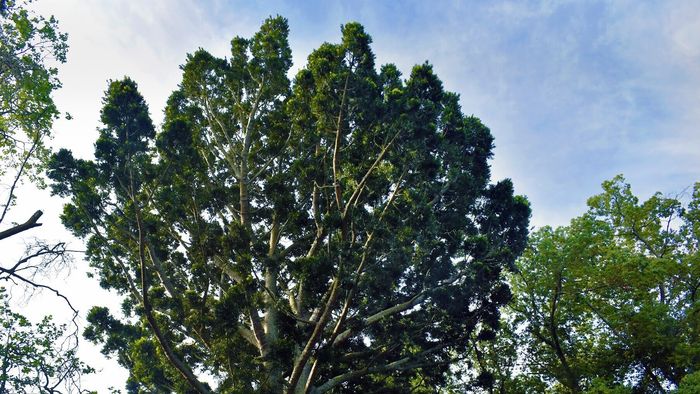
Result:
[
  {"x": 36, "y": 358},
  {"x": 30, "y": 46},
  {"x": 29, "y": 43},
  {"x": 33, "y": 358},
  {"x": 337, "y": 233},
  {"x": 609, "y": 303},
  {"x": 690, "y": 384}
]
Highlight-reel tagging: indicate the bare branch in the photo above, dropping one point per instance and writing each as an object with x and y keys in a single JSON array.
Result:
[
  {"x": 159, "y": 270},
  {"x": 29, "y": 224}
]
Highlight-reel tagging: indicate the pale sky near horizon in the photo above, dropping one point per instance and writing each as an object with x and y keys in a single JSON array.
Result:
[{"x": 574, "y": 92}]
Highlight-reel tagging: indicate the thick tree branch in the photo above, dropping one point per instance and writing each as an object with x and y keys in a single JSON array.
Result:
[
  {"x": 230, "y": 272},
  {"x": 405, "y": 363},
  {"x": 29, "y": 224},
  {"x": 398, "y": 308},
  {"x": 256, "y": 336},
  {"x": 404, "y": 306},
  {"x": 247, "y": 139},
  {"x": 351, "y": 292},
  {"x": 336, "y": 148},
  {"x": 571, "y": 377},
  {"x": 302, "y": 359}
]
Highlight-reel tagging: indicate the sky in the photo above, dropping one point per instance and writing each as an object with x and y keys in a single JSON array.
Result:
[{"x": 574, "y": 92}]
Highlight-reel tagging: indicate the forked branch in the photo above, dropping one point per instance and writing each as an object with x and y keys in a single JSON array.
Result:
[{"x": 29, "y": 224}]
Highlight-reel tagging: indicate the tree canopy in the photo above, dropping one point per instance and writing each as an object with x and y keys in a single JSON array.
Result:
[
  {"x": 334, "y": 232},
  {"x": 608, "y": 303}
]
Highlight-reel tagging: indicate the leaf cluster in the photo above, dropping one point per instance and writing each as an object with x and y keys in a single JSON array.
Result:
[{"x": 36, "y": 357}]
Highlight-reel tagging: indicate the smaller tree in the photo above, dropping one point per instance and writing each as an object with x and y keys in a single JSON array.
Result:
[
  {"x": 30, "y": 47},
  {"x": 36, "y": 358},
  {"x": 610, "y": 302},
  {"x": 33, "y": 358}
]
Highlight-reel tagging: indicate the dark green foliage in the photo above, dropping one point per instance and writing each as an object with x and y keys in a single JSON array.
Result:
[{"x": 338, "y": 232}]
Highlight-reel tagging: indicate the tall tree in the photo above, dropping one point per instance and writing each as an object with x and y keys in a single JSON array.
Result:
[
  {"x": 338, "y": 233},
  {"x": 610, "y": 302}
]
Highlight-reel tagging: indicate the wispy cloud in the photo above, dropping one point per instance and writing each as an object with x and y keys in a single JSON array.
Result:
[{"x": 577, "y": 92}]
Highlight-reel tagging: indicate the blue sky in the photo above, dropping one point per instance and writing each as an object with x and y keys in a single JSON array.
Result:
[{"x": 574, "y": 92}]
